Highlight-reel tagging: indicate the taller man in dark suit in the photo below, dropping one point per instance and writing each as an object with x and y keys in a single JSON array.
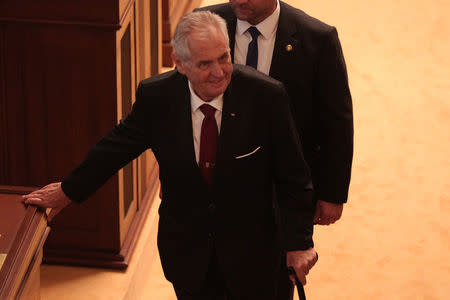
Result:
[
  {"x": 305, "y": 54},
  {"x": 231, "y": 168}
]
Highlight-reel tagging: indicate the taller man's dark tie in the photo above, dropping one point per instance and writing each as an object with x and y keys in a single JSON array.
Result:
[
  {"x": 208, "y": 143},
  {"x": 252, "y": 53}
]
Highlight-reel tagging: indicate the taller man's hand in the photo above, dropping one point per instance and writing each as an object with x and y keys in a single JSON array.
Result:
[
  {"x": 50, "y": 196},
  {"x": 327, "y": 213},
  {"x": 302, "y": 261}
]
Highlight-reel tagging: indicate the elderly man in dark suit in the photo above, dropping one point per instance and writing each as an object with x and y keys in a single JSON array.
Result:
[
  {"x": 236, "y": 189},
  {"x": 305, "y": 54}
]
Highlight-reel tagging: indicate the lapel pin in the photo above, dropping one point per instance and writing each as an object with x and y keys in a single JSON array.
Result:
[
  {"x": 233, "y": 114},
  {"x": 289, "y": 48}
]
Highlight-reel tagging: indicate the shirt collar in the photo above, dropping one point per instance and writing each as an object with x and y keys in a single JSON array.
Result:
[
  {"x": 267, "y": 27},
  {"x": 196, "y": 101}
]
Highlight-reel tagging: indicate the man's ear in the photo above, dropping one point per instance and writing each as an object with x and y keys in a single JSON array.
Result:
[{"x": 178, "y": 63}]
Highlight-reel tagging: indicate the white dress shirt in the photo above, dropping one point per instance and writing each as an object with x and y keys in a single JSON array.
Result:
[
  {"x": 198, "y": 116},
  {"x": 266, "y": 40}
]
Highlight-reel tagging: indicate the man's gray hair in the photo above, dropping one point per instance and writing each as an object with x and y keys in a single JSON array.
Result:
[{"x": 202, "y": 23}]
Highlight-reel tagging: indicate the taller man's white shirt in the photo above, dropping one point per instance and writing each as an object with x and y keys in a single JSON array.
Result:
[{"x": 266, "y": 41}]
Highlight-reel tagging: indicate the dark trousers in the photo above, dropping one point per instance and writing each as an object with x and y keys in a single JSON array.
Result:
[
  {"x": 213, "y": 289},
  {"x": 285, "y": 288},
  {"x": 215, "y": 286}
]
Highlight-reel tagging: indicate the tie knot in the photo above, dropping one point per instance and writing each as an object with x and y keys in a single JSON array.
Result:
[
  {"x": 207, "y": 110},
  {"x": 254, "y": 32}
]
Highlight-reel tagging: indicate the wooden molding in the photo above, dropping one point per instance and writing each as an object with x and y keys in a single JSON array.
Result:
[
  {"x": 121, "y": 9},
  {"x": 22, "y": 245},
  {"x": 33, "y": 22},
  {"x": 19, "y": 190},
  {"x": 3, "y": 114}
]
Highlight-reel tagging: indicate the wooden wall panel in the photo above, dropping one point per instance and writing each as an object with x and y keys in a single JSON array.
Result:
[
  {"x": 62, "y": 77},
  {"x": 156, "y": 35},
  {"x": 3, "y": 107},
  {"x": 172, "y": 12},
  {"x": 146, "y": 62},
  {"x": 143, "y": 39},
  {"x": 61, "y": 88},
  {"x": 64, "y": 83},
  {"x": 126, "y": 80},
  {"x": 100, "y": 12}
]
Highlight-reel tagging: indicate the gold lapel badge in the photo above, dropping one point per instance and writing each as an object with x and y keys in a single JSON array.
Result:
[
  {"x": 289, "y": 48},
  {"x": 233, "y": 114}
]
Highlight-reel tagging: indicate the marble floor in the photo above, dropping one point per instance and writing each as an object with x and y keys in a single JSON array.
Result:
[{"x": 394, "y": 237}]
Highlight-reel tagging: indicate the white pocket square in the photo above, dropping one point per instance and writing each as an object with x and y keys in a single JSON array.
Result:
[{"x": 248, "y": 154}]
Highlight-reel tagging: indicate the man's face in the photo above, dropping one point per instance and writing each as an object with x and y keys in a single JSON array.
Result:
[
  {"x": 209, "y": 68},
  {"x": 253, "y": 11}
]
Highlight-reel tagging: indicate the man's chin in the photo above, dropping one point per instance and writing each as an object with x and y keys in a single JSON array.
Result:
[
  {"x": 242, "y": 15},
  {"x": 218, "y": 85},
  {"x": 214, "y": 92}
]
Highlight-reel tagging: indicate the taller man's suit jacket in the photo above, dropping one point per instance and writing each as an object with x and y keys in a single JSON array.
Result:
[
  {"x": 314, "y": 73},
  {"x": 260, "y": 174}
]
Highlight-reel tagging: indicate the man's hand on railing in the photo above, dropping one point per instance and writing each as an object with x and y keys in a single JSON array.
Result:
[{"x": 50, "y": 196}]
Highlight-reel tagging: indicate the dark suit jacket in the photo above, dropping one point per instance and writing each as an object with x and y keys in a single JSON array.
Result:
[
  {"x": 315, "y": 76},
  {"x": 239, "y": 215}
]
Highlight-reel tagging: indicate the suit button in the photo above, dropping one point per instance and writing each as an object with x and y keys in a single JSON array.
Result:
[{"x": 212, "y": 208}]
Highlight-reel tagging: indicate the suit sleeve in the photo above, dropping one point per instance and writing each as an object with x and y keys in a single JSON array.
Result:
[
  {"x": 118, "y": 147},
  {"x": 292, "y": 179},
  {"x": 336, "y": 122}
]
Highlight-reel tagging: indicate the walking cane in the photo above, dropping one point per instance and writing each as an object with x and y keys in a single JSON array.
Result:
[{"x": 300, "y": 289}]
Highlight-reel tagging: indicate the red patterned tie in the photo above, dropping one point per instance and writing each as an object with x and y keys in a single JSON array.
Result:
[{"x": 208, "y": 143}]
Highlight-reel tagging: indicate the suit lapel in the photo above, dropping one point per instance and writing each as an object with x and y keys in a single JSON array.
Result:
[
  {"x": 229, "y": 127},
  {"x": 182, "y": 120},
  {"x": 286, "y": 45}
]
